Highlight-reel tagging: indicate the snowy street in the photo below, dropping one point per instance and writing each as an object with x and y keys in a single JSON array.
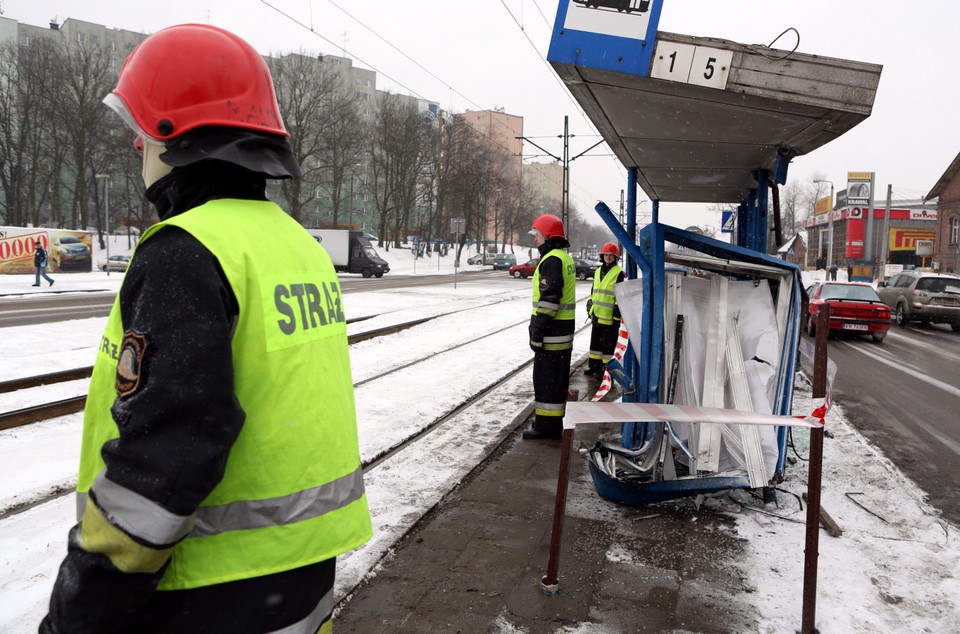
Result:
[{"x": 896, "y": 568}]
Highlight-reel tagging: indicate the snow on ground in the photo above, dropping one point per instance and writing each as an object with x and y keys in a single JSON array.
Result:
[{"x": 900, "y": 573}]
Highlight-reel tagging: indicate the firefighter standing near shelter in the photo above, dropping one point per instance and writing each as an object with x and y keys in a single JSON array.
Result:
[
  {"x": 219, "y": 471},
  {"x": 604, "y": 311},
  {"x": 551, "y": 326}
]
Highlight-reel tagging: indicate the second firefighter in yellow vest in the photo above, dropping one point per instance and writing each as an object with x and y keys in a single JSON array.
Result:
[{"x": 603, "y": 310}]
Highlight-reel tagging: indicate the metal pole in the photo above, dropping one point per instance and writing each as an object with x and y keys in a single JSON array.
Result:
[
  {"x": 566, "y": 174},
  {"x": 830, "y": 225},
  {"x": 871, "y": 254},
  {"x": 549, "y": 583},
  {"x": 811, "y": 552},
  {"x": 106, "y": 209},
  {"x": 885, "y": 238}
]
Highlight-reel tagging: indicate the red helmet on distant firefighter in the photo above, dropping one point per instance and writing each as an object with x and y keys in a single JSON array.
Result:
[
  {"x": 195, "y": 75},
  {"x": 610, "y": 248},
  {"x": 548, "y": 226}
]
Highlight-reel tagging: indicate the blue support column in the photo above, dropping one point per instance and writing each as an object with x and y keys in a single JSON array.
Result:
[
  {"x": 742, "y": 225},
  {"x": 763, "y": 197}
]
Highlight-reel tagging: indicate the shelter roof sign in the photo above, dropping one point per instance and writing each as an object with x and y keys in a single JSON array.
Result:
[
  {"x": 698, "y": 116},
  {"x": 612, "y": 35}
]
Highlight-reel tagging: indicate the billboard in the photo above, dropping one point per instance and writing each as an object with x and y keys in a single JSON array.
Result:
[
  {"x": 906, "y": 239},
  {"x": 859, "y": 189},
  {"x": 822, "y": 206},
  {"x": 66, "y": 250}
]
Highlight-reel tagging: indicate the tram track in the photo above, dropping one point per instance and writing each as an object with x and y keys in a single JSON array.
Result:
[
  {"x": 38, "y": 413},
  {"x": 60, "y": 489}
]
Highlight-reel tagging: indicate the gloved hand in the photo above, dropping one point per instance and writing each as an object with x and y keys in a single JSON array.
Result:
[
  {"x": 590, "y": 307},
  {"x": 536, "y": 335}
]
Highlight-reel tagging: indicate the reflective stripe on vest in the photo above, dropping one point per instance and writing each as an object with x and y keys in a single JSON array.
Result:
[
  {"x": 566, "y": 309},
  {"x": 292, "y": 491},
  {"x": 603, "y": 297}
]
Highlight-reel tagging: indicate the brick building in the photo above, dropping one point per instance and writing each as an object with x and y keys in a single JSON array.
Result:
[{"x": 947, "y": 193}]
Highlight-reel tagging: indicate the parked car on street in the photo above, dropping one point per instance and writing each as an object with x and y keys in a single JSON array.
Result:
[
  {"x": 929, "y": 298},
  {"x": 524, "y": 270},
  {"x": 70, "y": 252},
  {"x": 122, "y": 231},
  {"x": 854, "y": 308},
  {"x": 115, "y": 263},
  {"x": 481, "y": 258},
  {"x": 503, "y": 261},
  {"x": 585, "y": 268}
]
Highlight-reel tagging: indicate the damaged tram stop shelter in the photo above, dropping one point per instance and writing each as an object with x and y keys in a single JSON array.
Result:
[{"x": 712, "y": 325}]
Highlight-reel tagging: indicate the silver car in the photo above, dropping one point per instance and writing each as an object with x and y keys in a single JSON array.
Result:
[{"x": 929, "y": 298}]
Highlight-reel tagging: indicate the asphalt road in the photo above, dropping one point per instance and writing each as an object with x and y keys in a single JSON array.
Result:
[
  {"x": 47, "y": 308},
  {"x": 904, "y": 395}
]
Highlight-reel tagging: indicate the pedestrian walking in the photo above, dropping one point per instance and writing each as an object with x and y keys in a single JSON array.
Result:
[
  {"x": 40, "y": 263},
  {"x": 604, "y": 311},
  {"x": 833, "y": 271},
  {"x": 551, "y": 326},
  {"x": 220, "y": 474}
]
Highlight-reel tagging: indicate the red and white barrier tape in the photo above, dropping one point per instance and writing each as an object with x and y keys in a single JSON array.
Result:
[
  {"x": 614, "y": 412},
  {"x": 607, "y": 382}
]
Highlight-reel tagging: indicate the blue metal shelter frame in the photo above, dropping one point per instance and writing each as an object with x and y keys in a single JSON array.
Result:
[{"x": 646, "y": 256}]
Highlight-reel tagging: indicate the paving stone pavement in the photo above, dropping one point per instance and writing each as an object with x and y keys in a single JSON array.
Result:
[{"x": 474, "y": 564}]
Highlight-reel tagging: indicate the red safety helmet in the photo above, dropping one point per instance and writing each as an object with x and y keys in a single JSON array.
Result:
[
  {"x": 194, "y": 75},
  {"x": 610, "y": 248},
  {"x": 549, "y": 226}
]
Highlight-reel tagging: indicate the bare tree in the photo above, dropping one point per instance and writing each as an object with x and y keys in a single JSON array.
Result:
[
  {"x": 84, "y": 77},
  {"x": 401, "y": 154},
  {"x": 312, "y": 98},
  {"x": 27, "y": 91}
]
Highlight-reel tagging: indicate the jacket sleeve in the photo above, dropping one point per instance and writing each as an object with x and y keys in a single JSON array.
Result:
[{"x": 177, "y": 426}]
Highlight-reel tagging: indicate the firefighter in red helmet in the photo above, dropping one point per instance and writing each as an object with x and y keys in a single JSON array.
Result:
[
  {"x": 220, "y": 472},
  {"x": 551, "y": 326},
  {"x": 604, "y": 311}
]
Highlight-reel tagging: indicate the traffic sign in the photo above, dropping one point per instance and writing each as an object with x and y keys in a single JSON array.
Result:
[{"x": 727, "y": 223}]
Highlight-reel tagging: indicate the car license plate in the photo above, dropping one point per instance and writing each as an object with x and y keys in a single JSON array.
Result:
[{"x": 855, "y": 327}]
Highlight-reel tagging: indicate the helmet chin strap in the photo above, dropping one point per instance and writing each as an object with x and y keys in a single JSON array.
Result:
[{"x": 153, "y": 168}]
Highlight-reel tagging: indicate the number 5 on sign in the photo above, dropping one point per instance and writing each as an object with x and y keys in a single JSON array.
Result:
[{"x": 690, "y": 64}]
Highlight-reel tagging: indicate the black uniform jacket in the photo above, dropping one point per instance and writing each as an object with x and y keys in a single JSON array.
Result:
[{"x": 177, "y": 429}]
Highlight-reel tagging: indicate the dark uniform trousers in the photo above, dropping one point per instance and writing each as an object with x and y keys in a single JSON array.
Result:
[
  {"x": 603, "y": 338},
  {"x": 551, "y": 379}
]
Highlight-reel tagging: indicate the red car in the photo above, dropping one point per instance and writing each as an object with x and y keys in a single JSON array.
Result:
[
  {"x": 524, "y": 270},
  {"x": 854, "y": 308}
]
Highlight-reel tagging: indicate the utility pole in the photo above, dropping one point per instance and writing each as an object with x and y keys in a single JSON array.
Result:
[
  {"x": 885, "y": 238},
  {"x": 829, "y": 224},
  {"x": 106, "y": 208},
  {"x": 565, "y": 205},
  {"x": 565, "y": 160}
]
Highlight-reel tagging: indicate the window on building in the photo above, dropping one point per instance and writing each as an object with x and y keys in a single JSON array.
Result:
[
  {"x": 24, "y": 40},
  {"x": 954, "y": 230}
]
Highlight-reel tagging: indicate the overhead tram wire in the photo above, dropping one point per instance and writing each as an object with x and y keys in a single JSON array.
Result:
[
  {"x": 336, "y": 46},
  {"x": 373, "y": 67},
  {"x": 556, "y": 78}
]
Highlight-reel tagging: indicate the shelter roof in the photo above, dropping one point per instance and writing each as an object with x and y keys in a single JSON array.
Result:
[{"x": 704, "y": 143}]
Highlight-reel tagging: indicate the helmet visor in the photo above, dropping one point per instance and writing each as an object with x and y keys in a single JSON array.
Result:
[{"x": 115, "y": 103}]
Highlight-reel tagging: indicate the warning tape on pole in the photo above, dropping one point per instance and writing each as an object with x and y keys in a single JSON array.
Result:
[
  {"x": 607, "y": 382},
  {"x": 614, "y": 412}
]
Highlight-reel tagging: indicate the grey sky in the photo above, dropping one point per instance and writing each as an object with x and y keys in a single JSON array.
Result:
[{"x": 491, "y": 54}]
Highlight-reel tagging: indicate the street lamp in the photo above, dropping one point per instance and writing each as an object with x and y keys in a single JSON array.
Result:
[
  {"x": 829, "y": 224},
  {"x": 106, "y": 209}
]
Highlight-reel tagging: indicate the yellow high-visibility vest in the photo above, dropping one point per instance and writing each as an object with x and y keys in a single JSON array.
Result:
[
  {"x": 292, "y": 493},
  {"x": 603, "y": 298}
]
